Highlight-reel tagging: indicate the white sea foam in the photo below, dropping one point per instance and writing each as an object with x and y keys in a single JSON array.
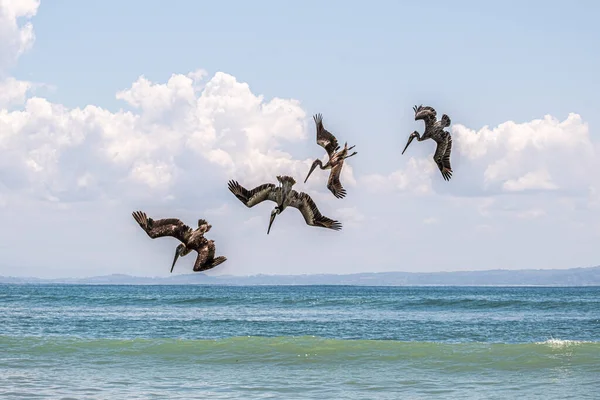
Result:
[{"x": 559, "y": 343}]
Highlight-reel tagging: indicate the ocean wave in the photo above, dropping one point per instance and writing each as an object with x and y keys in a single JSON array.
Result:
[
  {"x": 291, "y": 349},
  {"x": 559, "y": 343},
  {"x": 299, "y": 302}
]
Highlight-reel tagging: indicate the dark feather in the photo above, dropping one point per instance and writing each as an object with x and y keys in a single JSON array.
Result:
[
  {"x": 206, "y": 257},
  {"x": 286, "y": 181},
  {"x": 333, "y": 184},
  {"x": 252, "y": 197},
  {"x": 445, "y": 121},
  {"x": 162, "y": 227},
  {"x": 325, "y": 138},
  {"x": 442, "y": 157},
  {"x": 307, "y": 207}
]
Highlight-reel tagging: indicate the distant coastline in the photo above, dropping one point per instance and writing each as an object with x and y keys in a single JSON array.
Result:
[{"x": 589, "y": 276}]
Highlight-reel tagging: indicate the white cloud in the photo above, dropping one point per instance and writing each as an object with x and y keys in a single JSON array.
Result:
[
  {"x": 543, "y": 154},
  {"x": 224, "y": 124},
  {"x": 539, "y": 180},
  {"x": 13, "y": 92},
  {"x": 415, "y": 177},
  {"x": 176, "y": 126},
  {"x": 15, "y": 39}
]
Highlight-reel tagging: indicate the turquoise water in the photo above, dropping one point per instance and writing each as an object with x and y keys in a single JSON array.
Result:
[{"x": 298, "y": 342}]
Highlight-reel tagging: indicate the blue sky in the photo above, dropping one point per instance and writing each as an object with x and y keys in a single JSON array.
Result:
[{"x": 363, "y": 65}]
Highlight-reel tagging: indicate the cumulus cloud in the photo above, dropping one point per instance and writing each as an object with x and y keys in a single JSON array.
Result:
[
  {"x": 414, "y": 178},
  {"x": 536, "y": 180},
  {"x": 13, "y": 92},
  {"x": 186, "y": 125},
  {"x": 543, "y": 154},
  {"x": 221, "y": 123},
  {"x": 15, "y": 38}
]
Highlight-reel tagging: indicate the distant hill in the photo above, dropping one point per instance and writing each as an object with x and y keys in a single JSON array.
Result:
[{"x": 527, "y": 277}]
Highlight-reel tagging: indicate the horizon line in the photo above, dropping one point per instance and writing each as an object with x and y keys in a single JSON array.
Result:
[{"x": 304, "y": 275}]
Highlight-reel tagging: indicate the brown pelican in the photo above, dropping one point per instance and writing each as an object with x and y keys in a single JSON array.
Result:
[
  {"x": 191, "y": 239},
  {"x": 336, "y": 158},
  {"x": 435, "y": 130},
  {"x": 284, "y": 196}
]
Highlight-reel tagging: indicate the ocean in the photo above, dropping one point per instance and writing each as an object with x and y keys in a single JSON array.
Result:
[{"x": 298, "y": 342}]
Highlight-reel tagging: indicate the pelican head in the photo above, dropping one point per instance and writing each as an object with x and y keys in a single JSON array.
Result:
[
  {"x": 274, "y": 213},
  {"x": 181, "y": 250},
  {"x": 312, "y": 168},
  {"x": 412, "y": 136}
]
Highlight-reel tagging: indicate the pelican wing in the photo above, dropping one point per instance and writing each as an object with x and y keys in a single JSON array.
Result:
[
  {"x": 252, "y": 197},
  {"x": 325, "y": 139},
  {"x": 425, "y": 111},
  {"x": 333, "y": 184},
  {"x": 445, "y": 121},
  {"x": 161, "y": 227},
  {"x": 428, "y": 114},
  {"x": 313, "y": 217},
  {"x": 206, "y": 257},
  {"x": 446, "y": 158},
  {"x": 442, "y": 157}
]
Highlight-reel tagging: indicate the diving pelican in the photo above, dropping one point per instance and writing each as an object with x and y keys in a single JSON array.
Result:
[
  {"x": 284, "y": 196},
  {"x": 191, "y": 239},
  {"x": 336, "y": 158},
  {"x": 435, "y": 130}
]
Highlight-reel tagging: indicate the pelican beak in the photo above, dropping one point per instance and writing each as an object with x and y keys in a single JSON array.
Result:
[
  {"x": 175, "y": 259},
  {"x": 410, "y": 139},
  {"x": 312, "y": 168},
  {"x": 273, "y": 215}
]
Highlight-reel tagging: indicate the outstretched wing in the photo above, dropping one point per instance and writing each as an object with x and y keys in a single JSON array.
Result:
[
  {"x": 161, "y": 227},
  {"x": 206, "y": 257},
  {"x": 252, "y": 197},
  {"x": 325, "y": 139},
  {"x": 427, "y": 114},
  {"x": 333, "y": 184},
  {"x": 442, "y": 157},
  {"x": 424, "y": 111},
  {"x": 305, "y": 204}
]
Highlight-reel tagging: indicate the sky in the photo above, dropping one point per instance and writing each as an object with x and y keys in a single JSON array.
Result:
[{"x": 111, "y": 107}]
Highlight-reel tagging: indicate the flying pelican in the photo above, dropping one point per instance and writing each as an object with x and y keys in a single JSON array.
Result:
[
  {"x": 191, "y": 239},
  {"x": 336, "y": 158},
  {"x": 435, "y": 130},
  {"x": 284, "y": 196}
]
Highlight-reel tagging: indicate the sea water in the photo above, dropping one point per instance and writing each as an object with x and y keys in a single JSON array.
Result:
[{"x": 298, "y": 342}]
